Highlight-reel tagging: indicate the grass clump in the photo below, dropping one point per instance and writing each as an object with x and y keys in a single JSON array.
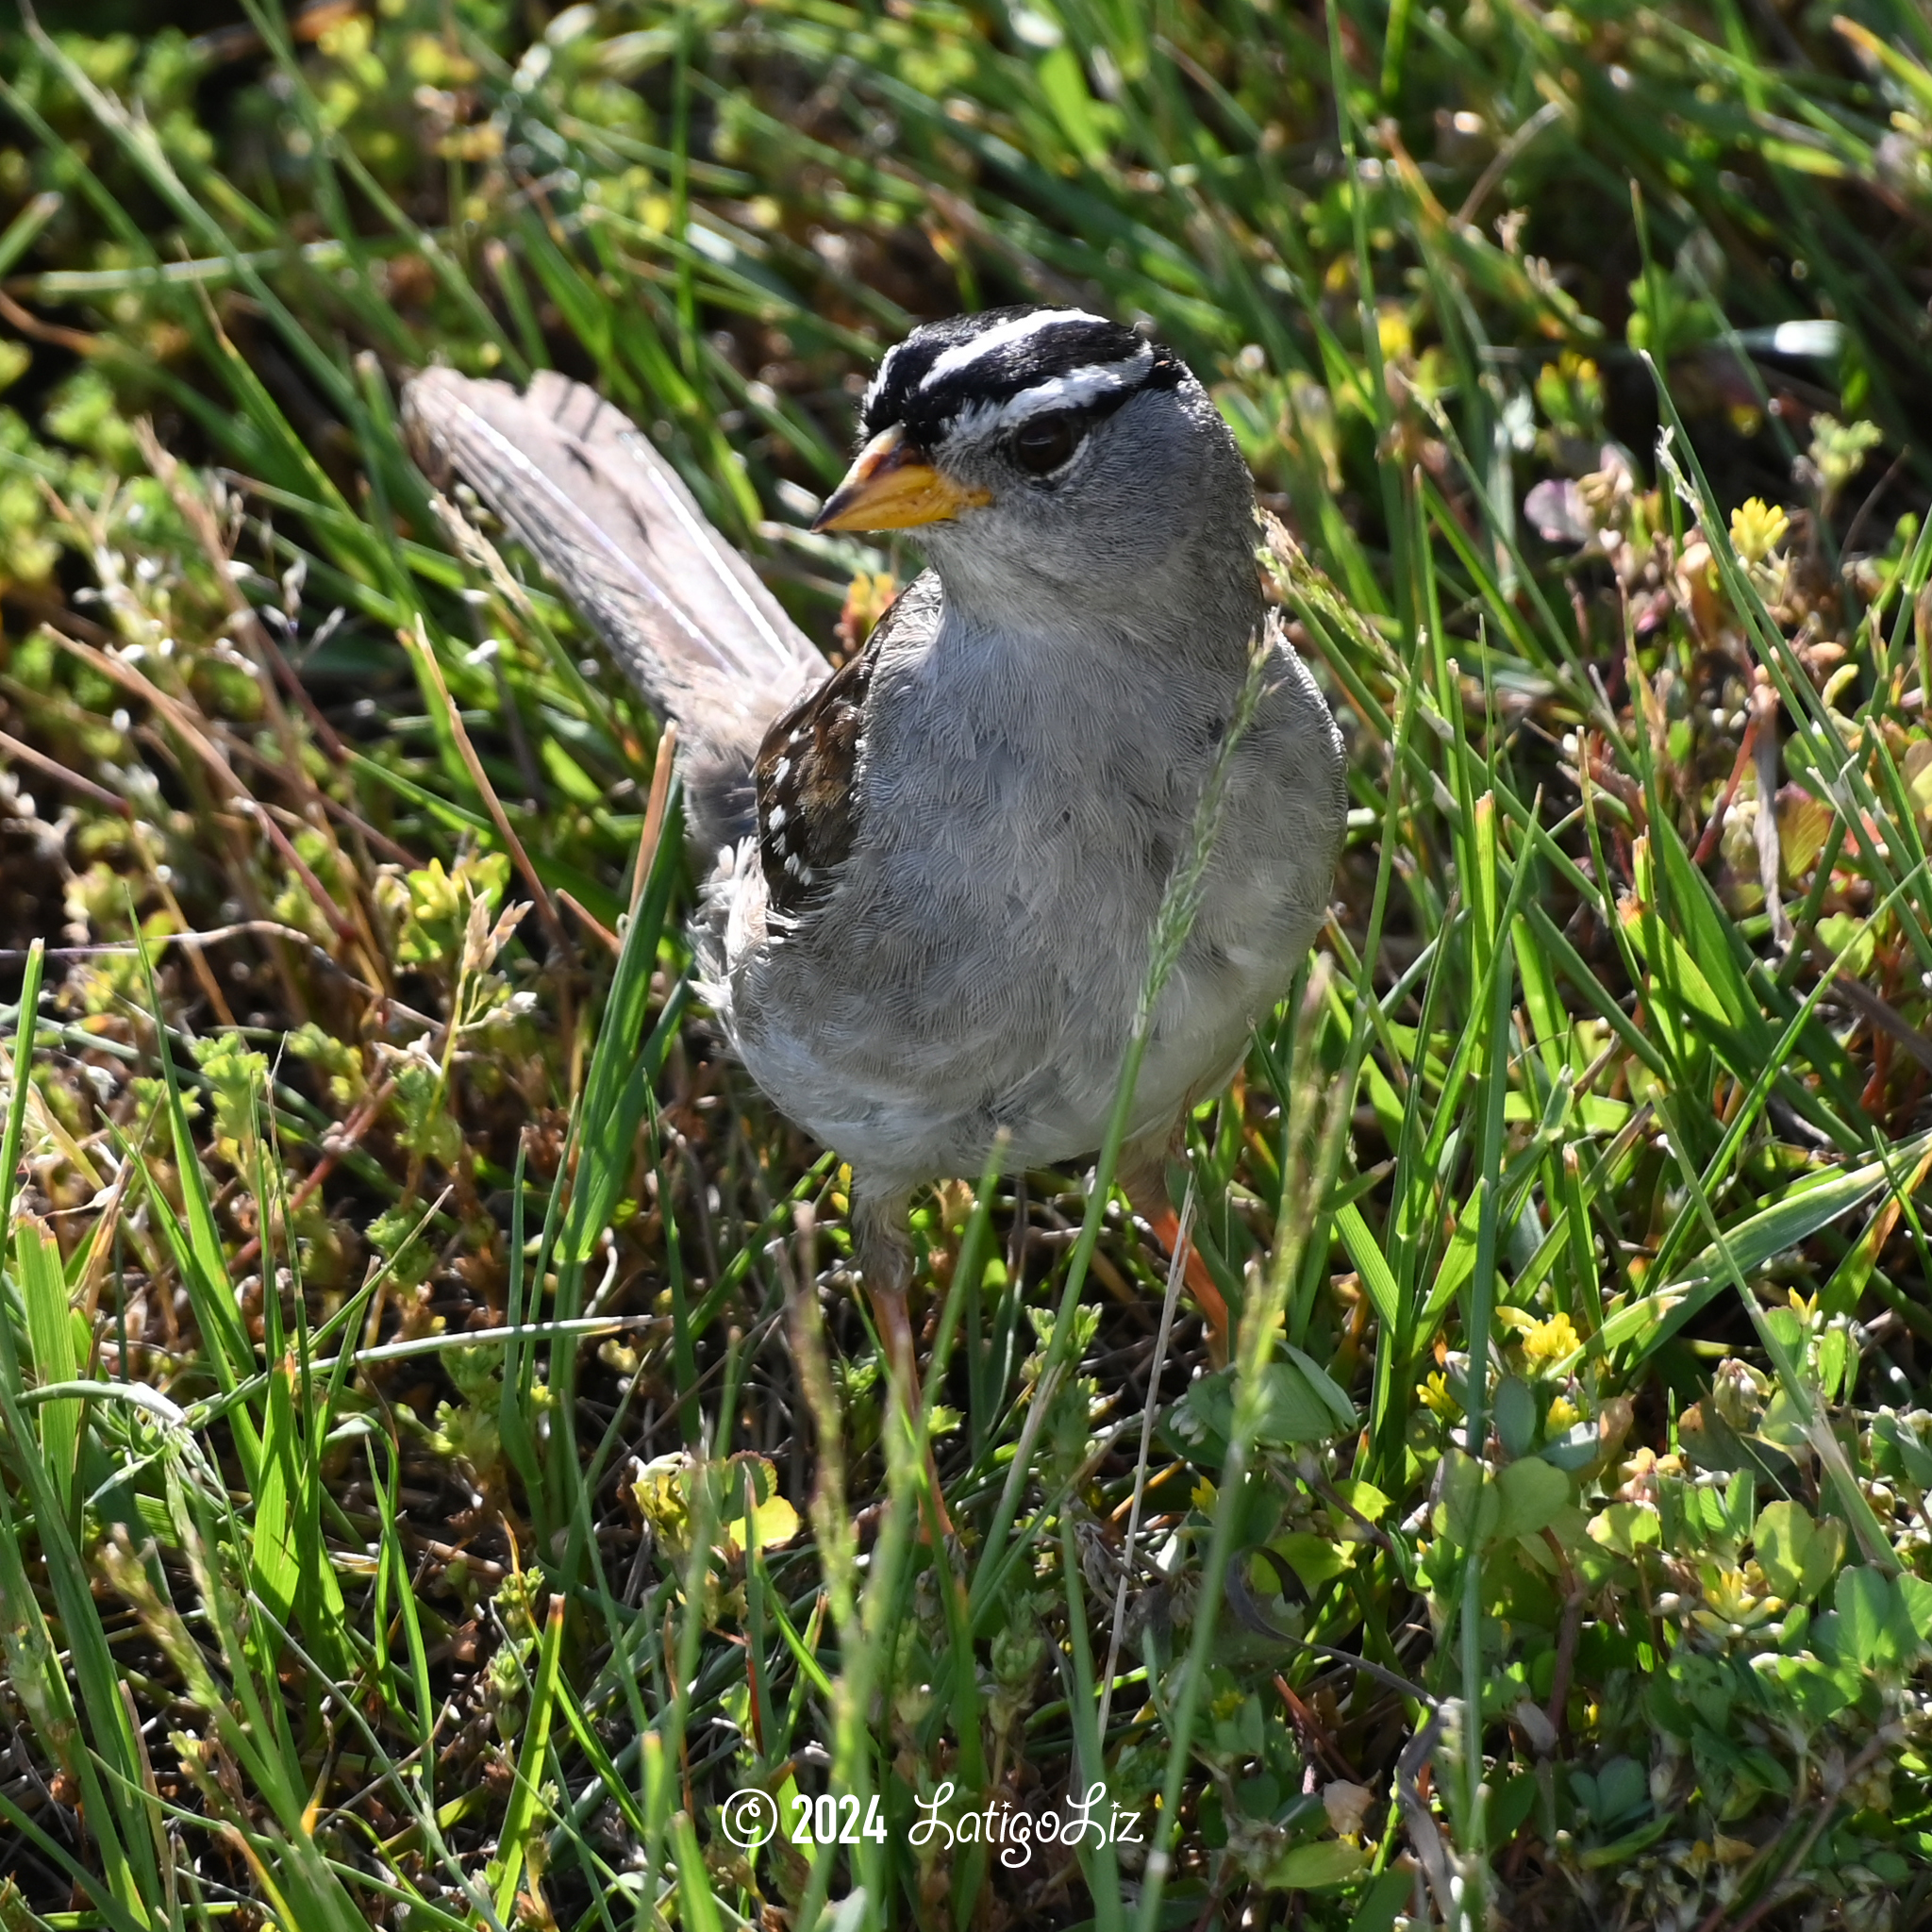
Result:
[{"x": 441, "y": 1463}]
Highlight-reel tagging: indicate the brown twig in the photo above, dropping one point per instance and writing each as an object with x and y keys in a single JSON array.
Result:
[
  {"x": 71, "y": 339},
  {"x": 1857, "y": 526},
  {"x": 61, "y": 773},
  {"x": 1823, "y": 1815},
  {"x": 380, "y": 842},
  {"x": 197, "y": 956},
  {"x": 333, "y": 1146},
  {"x": 1315, "y": 1733},
  {"x": 198, "y": 512},
  {"x": 261, "y": 928},
  {"x": 589, "y": 919},
  {"x": 1877, "y": 1011},
  {"x": 177, "y": 715},
  {"x": 1707, "y": 845},
  {"x": 199, "y": 516},
  {"x": 654, "y": 813},
  {"x": 546, "y": 906},
  {"x": 1505, "y": 158}
]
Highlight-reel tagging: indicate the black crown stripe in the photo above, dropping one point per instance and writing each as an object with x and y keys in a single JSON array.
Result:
[{"x": 926, "y": 408}]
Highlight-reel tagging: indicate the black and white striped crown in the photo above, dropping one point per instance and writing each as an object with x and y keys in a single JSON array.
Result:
[{"x": 986, "y": 372}]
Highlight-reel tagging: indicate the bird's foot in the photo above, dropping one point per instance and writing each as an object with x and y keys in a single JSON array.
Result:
[
  {"x": 902, "y": 1365},
  {"x": 885, "y": 1264},
  {"x": 1165, "y": 1226}
]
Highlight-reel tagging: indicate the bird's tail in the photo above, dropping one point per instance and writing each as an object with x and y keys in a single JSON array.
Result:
[{"x": 610, "y": 520}]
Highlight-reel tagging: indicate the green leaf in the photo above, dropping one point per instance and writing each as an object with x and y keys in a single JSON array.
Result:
[
  {"x": 1330, "y": 1861},
  {"x": 28, "y": 1008},
  {"x": 1915, "y": 1596},
  {"x": 31, "y": 1658},
  {"x": 1903, "y": 1440},
  {"x": 1621, "y": 1789},
  {"x": 1874, "y": 1624},
  {"x": 1314, "y": 1559},
  {"x": 50, "y": 1336},
  {"x": 277, "y": 1574},
  {"x": 1797, "y": 1214},
  {"x": 1798, "y": 1554},
  {"x": 1515, "y": 1415},
  {"x": 1377, "y": 1278},
  {"x": 198, "y": 1243},
  {"x": 1459, "y": 1262},
  {"x": 1533, "y": 1494},
  {"x": 1627, "y": 1846},
  {"x": 1382, "y": 1900},
  {"x": 521, "y": 1816},
  {"x": 1294, "y": 1408},
  {"x": 770, "y": 1521},
  {"x": 1323, "y": 1386},
  {"x": 1817, "y": 1689},
  {"x": 1510, "y": 1806},
  {"x": 1079, "y": 115},
  {"x": 1578, "y": 1448},
  {"x": 1300, "y": 1403},
  {"x": 614, "y": 1096},
  {"x": 1364, "y": 1498},
  {"x": 1625, "y": 1528},
  {"x": 1782, "y": 1424},
  {"x": 1740, "y": 1493},
  {"x": 1471, "y": 1507}
]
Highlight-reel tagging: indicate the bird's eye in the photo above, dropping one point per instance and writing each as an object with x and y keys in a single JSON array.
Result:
[{"x": 1044, "y": 445}]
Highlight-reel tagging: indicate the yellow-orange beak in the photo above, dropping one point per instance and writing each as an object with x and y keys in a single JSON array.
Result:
[{"x": 892, "y": 486}]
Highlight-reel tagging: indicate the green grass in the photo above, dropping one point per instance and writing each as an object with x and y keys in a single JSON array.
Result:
[{"x": 441, "y": 1455}]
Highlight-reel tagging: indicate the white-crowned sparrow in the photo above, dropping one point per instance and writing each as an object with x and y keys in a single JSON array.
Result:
[{"x": 937, "y": 868}]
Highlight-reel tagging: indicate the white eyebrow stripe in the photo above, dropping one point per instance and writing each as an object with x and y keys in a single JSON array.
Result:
[
  {"x": 1072, "y": 390},
  {"x": 1001, "y": 336},
  {"x": 877, "y": 384}
]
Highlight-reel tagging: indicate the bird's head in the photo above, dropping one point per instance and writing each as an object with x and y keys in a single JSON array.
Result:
[{"x": 1043, "y": 452}]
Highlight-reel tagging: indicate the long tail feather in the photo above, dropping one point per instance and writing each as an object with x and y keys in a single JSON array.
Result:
[{"x": 610, "y": 520}]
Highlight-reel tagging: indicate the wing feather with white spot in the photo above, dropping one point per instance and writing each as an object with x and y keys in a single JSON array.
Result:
[{"x": 807, "y": 778}]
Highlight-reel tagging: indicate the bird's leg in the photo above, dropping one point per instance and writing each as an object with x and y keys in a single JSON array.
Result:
[
  {"x": 1144, "y": 1181},
  {"x": 885, "y": 1264}
]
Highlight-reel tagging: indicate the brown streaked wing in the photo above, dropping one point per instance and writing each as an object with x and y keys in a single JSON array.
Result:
[{"x": 806, "y": 774}]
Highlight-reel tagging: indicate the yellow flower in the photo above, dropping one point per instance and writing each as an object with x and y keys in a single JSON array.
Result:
[
  {"x": 1731, "y": 1597},
  {"x": 1758, "y": 529},
  {"x": 1437, "y": 1398},
  {"x": 1565, "y": 1414},
  {"x": 1551, "y": 1340}
]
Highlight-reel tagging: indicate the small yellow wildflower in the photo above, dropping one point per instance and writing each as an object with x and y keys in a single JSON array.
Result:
[
  {"x": 1733, "y": 1600},
  {"x": 1756, "y": 529},
  {"x": 1565, "y": 1414},
  {"x": 1551, "y": 1340},
  {"x": 1437, "y": 1399}
]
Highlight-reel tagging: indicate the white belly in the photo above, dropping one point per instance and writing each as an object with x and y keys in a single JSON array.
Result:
[{"x": 958, "y": 982}]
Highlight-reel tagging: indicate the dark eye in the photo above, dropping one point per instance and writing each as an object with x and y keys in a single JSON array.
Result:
[{"x": 1045, "y": 443}]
